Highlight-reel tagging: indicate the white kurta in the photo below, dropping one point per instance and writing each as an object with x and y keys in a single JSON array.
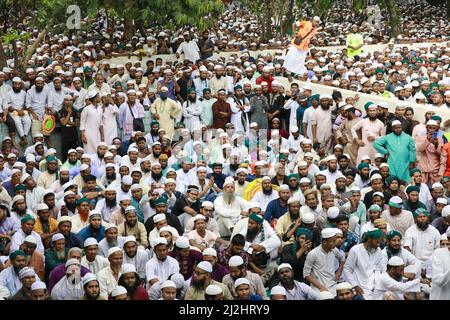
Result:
[
  {"x": 95, "y": 266},
  {"x": 440, "y": 285},
  {"x": 139, "y": 261},
  {"x": 295, "y": 60},
  {"x": 264, "y": 199},
  {"x": 227, "y": 214},
  {"x": 110, "y": 123},
  {"x": 362, "y": 268},
  {"x": 386, "y": 284},
  {"x": 161, "y": 270},
  {"x": 322, "y": 118},
  {"x": 236, "y": 116},
  {"x": 91, "y": 121},
  {"x": 64, "y": 290},
  {"x": 191, "y": 114},
  {"x": 368, "y": 128},
  {"x": 107, "y": 281},
  {"x": 422, "y": 243}
]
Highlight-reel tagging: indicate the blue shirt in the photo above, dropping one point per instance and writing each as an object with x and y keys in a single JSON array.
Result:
[
  {"x": 274, "y": 210},
  {"x": 86, "y": 232},
  {"x": 351, "y": 240}
]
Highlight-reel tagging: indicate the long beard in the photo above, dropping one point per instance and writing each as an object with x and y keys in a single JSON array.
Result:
[
  {"x": 267, "y": 192},
  {"x": 234, "y": 167},
  {"x": 131, "y": 289},
  {"x": 39, "y": 89},
  {"x": 192, "y": 99},
  {"x": 251, "y": 235},
  {"x": 62, "y": 181},
  {"x": 60, "y": 255},
  {"x": 287, "y": 282},
  {"x": 111, "y": 177},
  {"x": 325, "y": 107},
  {"x": 71, "y": 206},
  {"x": 111, "y": 203},
  {"x": 198, "y": 284},
  {"x": 112, "y": 242},
  {"x": 21, "y": 212},
  {"x": 157, "y": 176},
  {"x": 394, "y": 251},
  {"x": 16, "y": 90},
  {"x": 228, "y": 197},
  {"x": 294, "y": 216},
  {"x": 423, "y": 225}
]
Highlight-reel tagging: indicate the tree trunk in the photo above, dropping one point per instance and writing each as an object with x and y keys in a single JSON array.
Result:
[
  {"x": 2, "y": 54},
  {"x": 448, "y": 10},
  {"x": 286, "y": 25},
  {"x": 394, "y": 17},
  {"x": 129, "y": 28},
  {"x": 36, "y": 43}
]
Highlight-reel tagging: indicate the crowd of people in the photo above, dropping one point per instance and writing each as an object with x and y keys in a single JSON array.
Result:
[{"x": 239, "y": 188}]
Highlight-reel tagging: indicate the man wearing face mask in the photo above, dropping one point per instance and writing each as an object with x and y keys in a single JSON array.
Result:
[
  {"x": 165, "y": 110},
  {"x": 70, "y": 286}
]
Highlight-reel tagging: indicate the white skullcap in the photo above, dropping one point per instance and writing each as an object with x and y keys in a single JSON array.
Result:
[
  {"x": 119, "y": 290},
  {"x": 24, "y": 177},
  {"x": 235, "y": 261},
  {"x": 325, "y": 295},
  {"x": 83, "y": 167},
  {"x": 159, "y": 217},
  {"x": 283, "y": 187},
  {"x": 157, "y": 241},
  {"x": 328, "y": 233},
  {"x": 88, "y": 277},
  {"x": 395, "y": 261},
  {"x": 241, "y": 281},
  {"x": 208, "y": 204},
  {"x": 396, "y": 123},
  {"x": 30, "y": 239},
  {"x": 432, "y": 123},
  {"x": 130, "y": 208},
  {"x": 30, "y": 158},
  {"x": 252, "y": 205},
  {"x": 94, "y": 212},
  {"x": 212, "y": 289},
  {"x": 90, "y": 242},
  {"x": 278, "y": 290},
  {"x": 343, "y": 285},
  {"x": 127, "y": 180},
  {"x": 375, "y": 176},
  {"x": 113, "y": 250},
  {"x": 166, "y": 228},
  {"x": 57, "y": 236},
  {"x": 304, "y": 180},
  {"x": 384, "y": 164},
  {"x": 27, "y": 272},
  {"x": 308, "y": 218},
  {"x": 437, "y": 185},
  {"x": 205, "y": 266},
  {"x": 292, "y": 200},
  {"x": 265, "y": 178},
  {"x": 284, "y": 265},
  {"x": 445, "y": 211},
  {"x": 129, "y": 239},
  {"x": 182, "y": 243},
  {"x": 441, "y": 201},
  {"x": 168, "y": 284},
  {"x": 228, "y": 180},
  {"x": 128, "y": 267},
  {"x": 72, "y": 262},
  {"x": 41, "y": 206},
  {"x": 110, "y": 226},
  {"x": 333, "y": 212},
  {"x": 38, "y": 285},
  {"x": 210, "y": 252}
]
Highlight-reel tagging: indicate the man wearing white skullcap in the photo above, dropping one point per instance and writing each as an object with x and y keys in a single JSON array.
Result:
[
  {"x": 91, "y": 128},
  {"x": 295, "y": 290},
  {"x": 319, "y": 267},
  {"x": 228, "y": 207},
  {"x": 69, "y": 287},
  {"x": 135, "y": 255},
  {"x": 27, "y": 277},
  {"x": 238, "y": 270},
  {"x": 401, "y": 150},
  {"x": 119, "y": 293},
  {"x": 200, "y": 237},
  {"x": 441, "y": 223},
  {"x": 207, "y": 210},
  {"x": 91, "y": 259},
  {"x": 161, "y": 265},
  {"x": 344, "y": 291},
  {"x": 202, "y": 280},
  {"x": 109, "y": 276},
  {"x": 389, "y": 285},
  {"x": 278, "y": 293},
  {"x": 91, "y": 287},
  {"x": 39, "y": 291},
  {"x": 266, "y": 194}
]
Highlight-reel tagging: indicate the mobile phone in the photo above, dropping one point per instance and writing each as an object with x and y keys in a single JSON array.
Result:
[{"x": 435, "y": 135}]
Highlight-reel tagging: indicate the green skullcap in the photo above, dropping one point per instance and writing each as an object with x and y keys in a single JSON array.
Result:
[
  {"x": 411, "y": 173},
  {"x": 82, "y": 200},
  {"x": 412, "y": 188},
  {"x": 16, "y": 253},
  {"x": 190, "y": 90},
  {"x": 161, "y": 201},
  {"x": 363, "y": 165},
  {"x": 379, "y": 70},
  {"x": 392, "y": 234},
  {"x": 375, "y": 234},
  {"x": 420, "y": 211},
  {"x": 374, "y": 207},
  {"x": 292, "y": 176},
  {"x": 207, "y": 90},
  {"x": 26, "y": 218},
  {"x": 51, "y": 158},
  {"x": 154, "y": 122},
  {"x": 282, "y": 156},
  {"x": 392, "y": 178},
  {"x": 20, "y": 187},
  {"x": 436, "y": 118},
  {"x": 256, "y": 217},
  {"x": 238, "y": 87},
  {"x": 315, "y": 96},
  {"x": 87, "y": 68},
  {"x": 301, "y": 231},
  {"x": 367, "y": 105}
]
